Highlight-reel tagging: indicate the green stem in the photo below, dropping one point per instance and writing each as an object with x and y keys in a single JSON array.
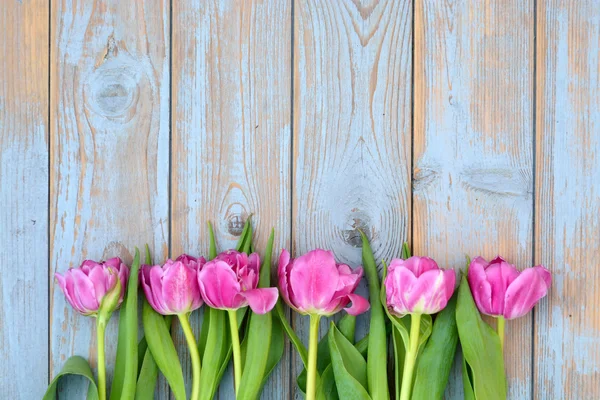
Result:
[
  {"x": 313, "y": 343},
  {"x": 237, "y": 354},
  {"x": 500, "y": 328},
  {"x": 100, "y": 329},
  {"x": 184, "y": 320},
  {"x": 411, "y": 356}
]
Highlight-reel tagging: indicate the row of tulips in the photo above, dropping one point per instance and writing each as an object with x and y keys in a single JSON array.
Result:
[{"x": 413, "y": 303}]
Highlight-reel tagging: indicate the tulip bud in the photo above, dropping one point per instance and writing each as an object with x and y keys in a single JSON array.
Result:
[
  {"x": 418, "y": 286},
  {"x": 111, "y": 300},
  {"x": 230, "y": 282},
  {"x": 499, "y": 289},
  {"x": 172, "y": 289},
  {"x": 86, "y": 287},
  {"x": 315, "y": 284}
]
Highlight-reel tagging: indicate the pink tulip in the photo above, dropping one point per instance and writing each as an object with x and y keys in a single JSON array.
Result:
[
  {"x": 173, "y": 288},
  {"x": 230, "y": 282},
  {"x": 418, "y": 286},
  {"x": 86, "y": 286},
  {"x": 500, "y": 290},
  {"x": 315, "y": 284}
]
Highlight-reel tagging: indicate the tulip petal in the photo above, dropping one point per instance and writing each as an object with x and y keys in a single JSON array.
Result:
[
  {"x": 219, "y": 286},
  {"x": 398, "y": 284},
  {"x": 480, "y": 287},
  {"x": 419, "y": 265},
  {"x": 84, "y": 290},
  {"x": 546, "y": 275},
  {"x": 283, "y": 267},
  {"x": 180, "y": 287},
  {"x": 157, "y": 301},
  {"x": 99, "y": 277},
  {"x": 359, "y": 304},
  {"x": 428, "y": 295},
  {"x": 500, "y": 276},
  {"x": 261, "y": 300},
  {"x": 524, "y": 292},
  {"x": 314, "y": 279}
]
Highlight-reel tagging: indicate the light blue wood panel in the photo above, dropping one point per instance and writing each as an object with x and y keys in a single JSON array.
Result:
[
  {"x": 24, "y": 199},
  {"x": 231, "y": 135},
  {"x": 109, "y": 150},
  {"x": 352, "y": 128},
  {"x": 473, "y": 146},
  {"x": 567, "y": 326}
]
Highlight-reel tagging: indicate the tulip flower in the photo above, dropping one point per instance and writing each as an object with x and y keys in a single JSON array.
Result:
[
  {"x": 416, "y": 286},
  {"x": 85, "y": 287},
  {"x": 229, "y": 282},
  {"x": 315, "y": 285},
  {"x": 172, "y": 289},
  {"x": 96, "y": 289},
  {"x": 501, "y": 291}
]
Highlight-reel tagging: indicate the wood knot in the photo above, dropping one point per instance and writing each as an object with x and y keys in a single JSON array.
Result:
[
  {"x": 112, "y": 91},
  {"x": 236, "y": 222},
  {"x": 352, "y": 236}
]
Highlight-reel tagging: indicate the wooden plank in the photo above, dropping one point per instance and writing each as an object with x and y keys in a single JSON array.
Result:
[
  {"x": 109, "y": 149},
  {"x": 473, "y": 145},
  {"x": 352, "y": 146},
  {"x": 231, "y": 133},
  {"x": 24, "y": 77},
  {"x": 567, "y": 325}
]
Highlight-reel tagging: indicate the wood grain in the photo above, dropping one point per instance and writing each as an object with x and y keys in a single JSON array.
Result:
[
  {"x": 352, "y": 148},
  {"x": 231, "y": 133},
  {"x": 24, "y": 78},
  {"x": 109, "y": 149},
  {"x": 473, "y": 145},
  {"x": 567, "y": 325}
]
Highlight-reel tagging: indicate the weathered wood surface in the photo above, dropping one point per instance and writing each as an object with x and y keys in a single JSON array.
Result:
[
  {"x": 567, "y": 235},
  {"x": 24, "y": 199},
  {"x": 109, "y": 149},
  {"x": 465, "y": 127},
  {"x": 231, "y": 134},
  {"x": 351, "y": 161},
  {"x": 473, "y": 145}
]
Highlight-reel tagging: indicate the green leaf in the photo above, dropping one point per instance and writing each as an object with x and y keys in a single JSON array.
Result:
[
  {"x": 148, "y": 260},
  {"x": 259, "y": 337},
  {"x": 142, "y": 348},
  {"x": 148, "y": 372},
  {"x": 405, "y": 251},
  {"x": 377, "y": 353},
  {"x": 349, "y": 367},
  {"x": 212, "y": 249},
  {"x": 467, "y": 374},
  {"x": 75, "y": 365},
  {"x": 265, "y": 271},
  {"x": 291, "y": 334},
  {"x": 216, "y": 339},
  {"x": 399, "y": 355},
  {"x": 435, "y": 362},
  {"x": 163, "y": 350},
  {"x": 246, "y": 237},
  {"x": 126, "y": 365},
  {"x": 276, "y": 349},
  {"x": 481, "y": 348}
]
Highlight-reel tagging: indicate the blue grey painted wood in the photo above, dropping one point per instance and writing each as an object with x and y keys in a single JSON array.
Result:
[
  {"x": 567, "y": 326},
  {"x": 23, "y": 199},
  {"x": 110, "y": 150},
  {"x": 316, "y": 161},
  {"x": 231, "y": 135},
  {"x": 352, "y": 121},
  {"x": 473, "y": 146}
]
